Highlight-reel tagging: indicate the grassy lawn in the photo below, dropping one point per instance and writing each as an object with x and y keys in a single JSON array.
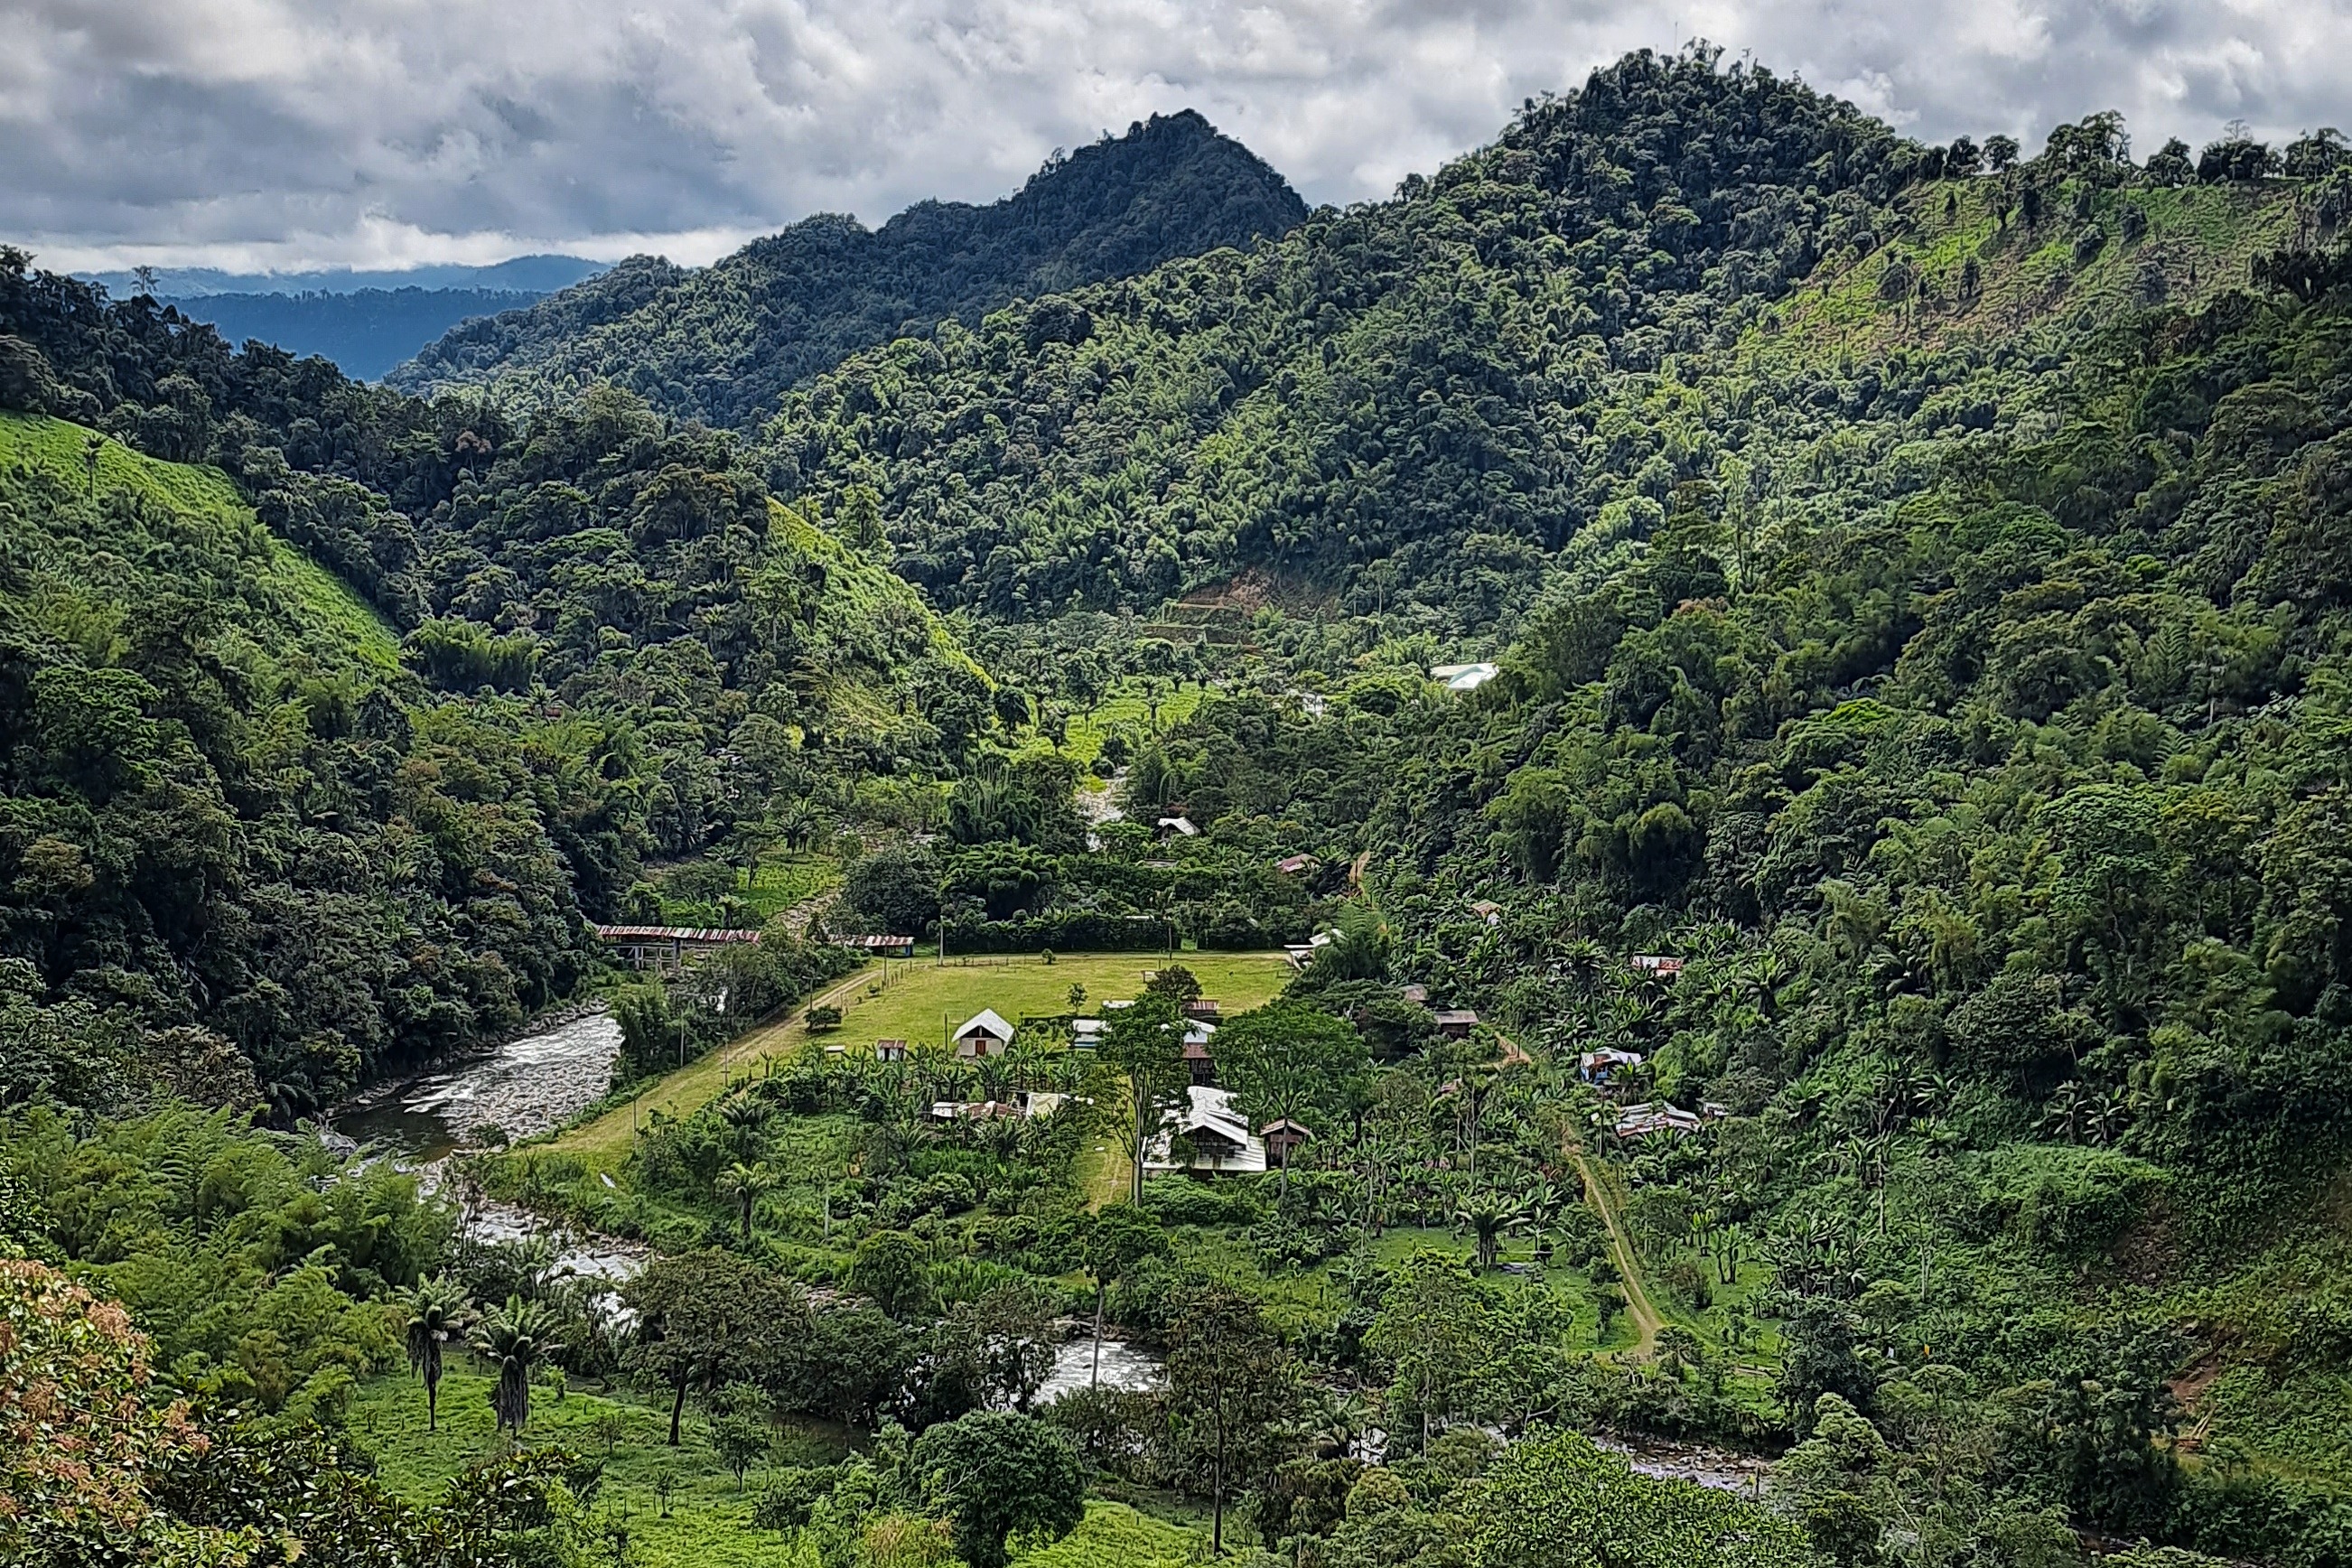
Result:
[
  {"x": 1129, "y": 704},
  {"x": 1114, "y": 1535},
  {"x": 708, "y": 1522},
  {"x": 920, "y": 1000}
]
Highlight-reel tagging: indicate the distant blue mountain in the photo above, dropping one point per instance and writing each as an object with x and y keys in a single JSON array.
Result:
[
  {"x": 366, "y": 332},
  {"x": 523, "y": 274}
]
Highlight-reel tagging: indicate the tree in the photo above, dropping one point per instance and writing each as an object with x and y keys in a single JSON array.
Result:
[
  {"x": 1294, "y": 1062},
  {"x": 1176, "y": 984},
  {"x": 515, "y": 1339},
  {"x": 1489, "y": 1214},
  {"x": 745, "y": 1185},
  {"x": 739, "y": 1429},
  {"x": 1435, "y": 1332},
  {"x": 893, "y": 1268},
  {"x": 710, "y": 1317},
  {"x": 2000, "y": 153},
  {"x": 436, "y": 1311},
  {"x": 994, "y": 1472},
  {"x": 1119, "y": 1238},
  {"x": 1556, "y": 1500},
  {"x": 1230, "y": 1377},
  {"x": 1145, "y": 1043}
]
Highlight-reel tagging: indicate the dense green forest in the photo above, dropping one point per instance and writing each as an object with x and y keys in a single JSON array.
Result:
[
  {"x": 1897, "y": 872},
  {"x": 723, "y": 343}
]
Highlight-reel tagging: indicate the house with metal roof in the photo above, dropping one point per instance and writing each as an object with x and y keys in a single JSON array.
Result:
[{"x": 1208, "y": 1134}]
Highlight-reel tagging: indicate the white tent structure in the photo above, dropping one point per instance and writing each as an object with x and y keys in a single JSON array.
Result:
[{"x": 984, "y": 1034}]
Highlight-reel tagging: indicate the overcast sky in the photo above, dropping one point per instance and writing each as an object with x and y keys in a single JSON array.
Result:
[{"x": 290, "y": 133}]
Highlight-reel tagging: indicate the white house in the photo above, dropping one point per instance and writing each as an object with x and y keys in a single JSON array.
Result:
[
  {"x": 1598, "y": 1066},
  {"x": 1218, "y": 1137},
  {"x": 983, "y": 1034}
]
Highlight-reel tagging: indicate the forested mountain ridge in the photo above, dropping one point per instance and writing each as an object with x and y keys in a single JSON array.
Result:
[
  {"x": 1994, "y": 821},
  {"x": 616, "y": 647},
  {"x": 243, "y": 862},
  {"x": 722, "y": 344},
  {"x": 1420, "y": 404},
  {"x": 366, "y": 332}
]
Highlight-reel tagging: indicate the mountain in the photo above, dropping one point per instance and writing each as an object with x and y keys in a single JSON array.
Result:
[
  {"x": 1433, "y": 407},
  {"x": 537, "y": 273},
  {"x": 366, "y": 332},
  {"x": 723, "y": 344}
]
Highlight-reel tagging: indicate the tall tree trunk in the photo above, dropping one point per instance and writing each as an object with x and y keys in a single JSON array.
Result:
[
  {"x": 677, "y": 1409},
  {"x": 1217, "y": 1524},
  {"x": 1095, "y": 1381}
]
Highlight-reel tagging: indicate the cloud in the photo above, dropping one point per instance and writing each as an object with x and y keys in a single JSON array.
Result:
[{"x": 381, "y": 132}]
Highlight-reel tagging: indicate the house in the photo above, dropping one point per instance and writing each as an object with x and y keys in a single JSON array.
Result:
[
  {"x": 1648, "y": 1119},
  {"x": 1656, "y": 964},
  {"x": 1086, "y": 1034},
  {"x": 974, "y": 1110},
  {"x": 1600, "y": 1066},
  {"x": 890, "y": 1050},
  {"x": 1296, "y": 865},
  {"x": 1202, "y": 1008},
  {"x": 1196, "y": 1055},
  {"x": 1302, "y": 953},
  {"x": 1464, "y": 676},
  {"x": 1117, "y": 1002},
  {"x": 1281, "y": 1140},
  {"x": 983, "y": 1034},
  {"x": 1416, "y": 995},
  {"x": 1487, "y": 910},
  {"x": 667, "y": 947},
  {"x": 1206, "y": 1135},
  {"x": 880, "y": 946},
  {"x": 1455, "y": 1023},
  {"x": 1182, "y": 826}
]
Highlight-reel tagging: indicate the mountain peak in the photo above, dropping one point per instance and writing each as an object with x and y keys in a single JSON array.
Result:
[{"x": 725, "y": 343}]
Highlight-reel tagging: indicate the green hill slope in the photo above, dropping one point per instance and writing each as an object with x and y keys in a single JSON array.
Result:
[
  {"x": 721, "y": 344},
  {"x": 296, "y": 615},
  {"x": 240, "y": 855},
  {"x": 1433, "y": 405}
]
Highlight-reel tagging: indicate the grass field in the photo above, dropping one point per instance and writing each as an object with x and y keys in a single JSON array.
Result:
[
  {"x": 920, "y": 1000},
  {"x": 707, "y": 1521}
]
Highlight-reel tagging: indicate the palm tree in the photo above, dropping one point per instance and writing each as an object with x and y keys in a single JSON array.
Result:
[
  {"x": 436, "y": 1311},
  {"x": 743, "y": 1115},
  {"x": 516, "y": 1338},
  {"x": 744, "y": 1185},
  {"x": 1488, "y": 1215}
]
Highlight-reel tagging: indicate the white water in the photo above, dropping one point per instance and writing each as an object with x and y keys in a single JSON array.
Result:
[
  {"x": 526, "y": 1086},
  {"x": 1123, "y": 1366}
]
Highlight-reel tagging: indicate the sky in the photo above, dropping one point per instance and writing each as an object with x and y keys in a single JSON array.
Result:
[{"x": 291, "y": 134}]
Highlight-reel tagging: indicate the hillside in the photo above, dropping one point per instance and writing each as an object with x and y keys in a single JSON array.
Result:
[
  {"x": 215, "y": 774},
  {"x": 1432, "y": 406},
  {"x": 723, "y": 343},
  {"x": 1867, "y": 985}
]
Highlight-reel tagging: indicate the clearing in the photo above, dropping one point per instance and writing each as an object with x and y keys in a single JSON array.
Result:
[{"x": 920, "y": 1000}]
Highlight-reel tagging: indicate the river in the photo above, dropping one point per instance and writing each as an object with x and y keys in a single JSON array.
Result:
[{"x": 528, "y": 1086}]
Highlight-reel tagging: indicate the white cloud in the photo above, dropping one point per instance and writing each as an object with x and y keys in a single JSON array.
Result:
[{"x": 372, "y": 132}]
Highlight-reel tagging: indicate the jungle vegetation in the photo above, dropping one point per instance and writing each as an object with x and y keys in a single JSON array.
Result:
[{"x": 1919, "y": 581}]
